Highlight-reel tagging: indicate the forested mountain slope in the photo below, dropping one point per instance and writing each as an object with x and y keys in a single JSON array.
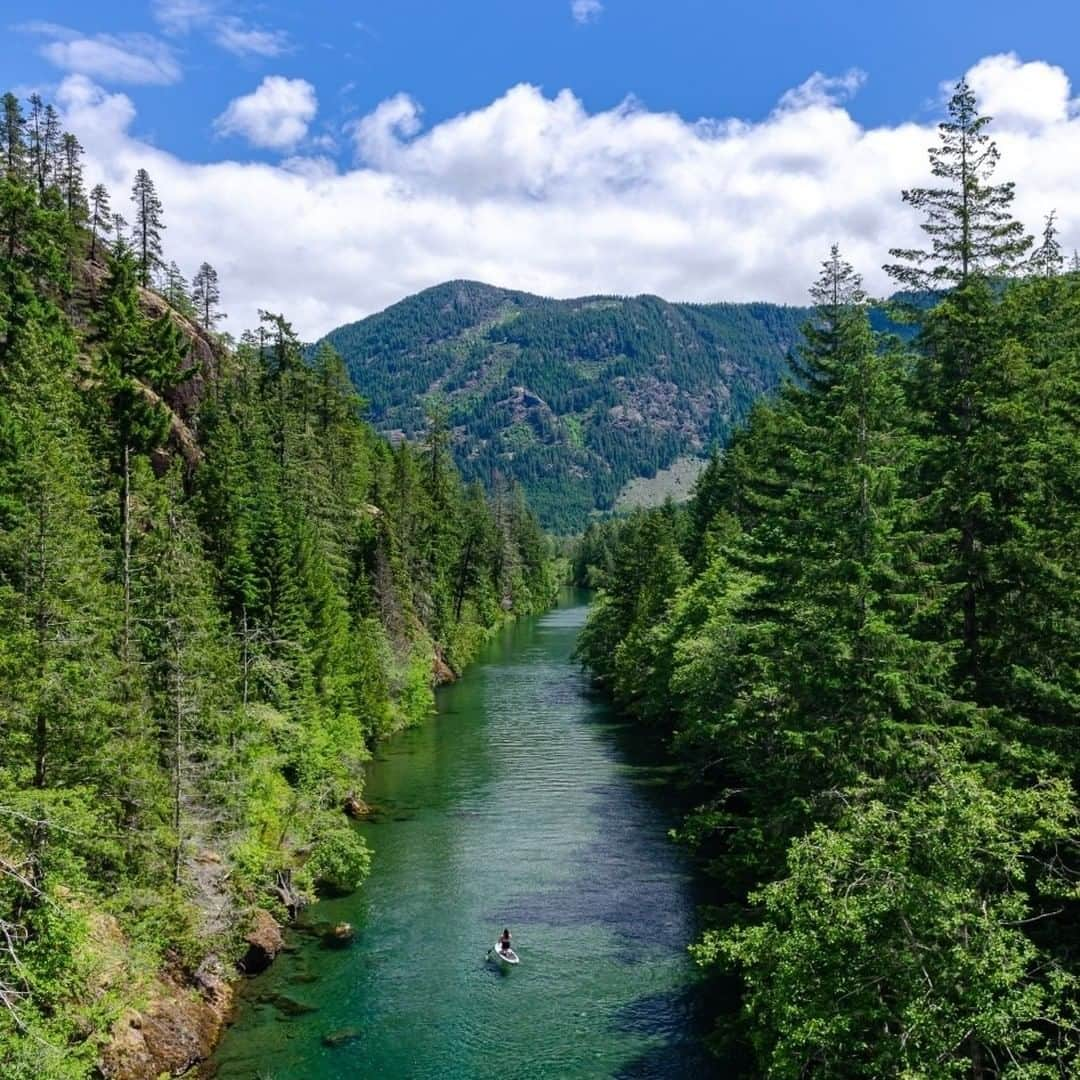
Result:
[
  {"x": 571, "y": 398},
  {"x": 218, "y": 587}
]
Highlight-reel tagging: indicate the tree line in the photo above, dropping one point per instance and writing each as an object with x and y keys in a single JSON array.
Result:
[
  {"x": 218, "y": 587},
  {"x": 863, "y": 632}
]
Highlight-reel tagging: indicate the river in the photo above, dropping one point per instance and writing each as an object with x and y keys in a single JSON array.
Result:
[{"x": 522, "y": 803}]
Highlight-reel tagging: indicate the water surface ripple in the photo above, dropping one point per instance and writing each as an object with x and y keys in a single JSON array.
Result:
[{"x": 525, "y": 804}]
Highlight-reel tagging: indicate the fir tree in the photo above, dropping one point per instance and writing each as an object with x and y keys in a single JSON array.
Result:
[
  {"x": 206, "y": 296},
  {"x": 13, "y": 136},
  {"x": 148, "y": 226},
  {"x": 101, "y": 222},
  {"x": 1047, "y": 259},
  {"x": 174, "y": 288},
  {"x": 968, "y": 218},
  {"x": 70, "y": 179}
]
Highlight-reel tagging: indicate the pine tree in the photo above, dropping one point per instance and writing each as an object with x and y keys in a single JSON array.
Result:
[
  {"x": 13, "y": 138},
  {"x": 174, "y": 288},
  {"x": 101, "y": 222},
  {"x": 138, "y": 360},
  {"x": 71, "y": 179},
  {"x": 56, "y": 618},
  {"x": 35, "y": 136},
  {"x": 1047, "y": 259},
  {"x": 183, "y": 643},
  {"x": 119, "y": 224},
  {"x": 975, "y": 240},
  {"x": 148, "y": 226},
  {"x": 206, "y": 296},
  {"x": 967, "y": 218}
]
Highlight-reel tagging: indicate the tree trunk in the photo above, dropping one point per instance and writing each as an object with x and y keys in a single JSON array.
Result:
[
  {"x": 41, "y": 621},
  {"x": 125, "y": 530}
]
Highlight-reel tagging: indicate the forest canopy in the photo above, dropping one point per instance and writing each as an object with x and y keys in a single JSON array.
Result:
[
  {"x": 219, "y": 586},
  {"x": 862, "y": 632}
]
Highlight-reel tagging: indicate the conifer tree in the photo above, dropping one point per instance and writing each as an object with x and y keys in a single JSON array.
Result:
[
  {"x": 101, "y": 222},
  {"x": 174, "y": 288},
  {"x": 139, "y": 359},
  {"x": 968, "y": 217},
  {"x": 975, "y": 240},
  {"x": 148, "y": 226},
  {"x": 1047, "y": 259},
  {"x": 13, "y": 136},
  {"x": 71, "y": 179},
  {"x": 206, "y": 296},
  {"x": 38, "y": 158},
  {"x": 119, "y": 224}
]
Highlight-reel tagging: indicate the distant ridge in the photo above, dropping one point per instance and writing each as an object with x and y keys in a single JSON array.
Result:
[{"x": 572, "y": 398}]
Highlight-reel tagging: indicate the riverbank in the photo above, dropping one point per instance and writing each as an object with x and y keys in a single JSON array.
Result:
[{"x": 524, "y": 804}]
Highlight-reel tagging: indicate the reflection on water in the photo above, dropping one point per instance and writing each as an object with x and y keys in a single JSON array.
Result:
[{"x": 523, "y": 804}]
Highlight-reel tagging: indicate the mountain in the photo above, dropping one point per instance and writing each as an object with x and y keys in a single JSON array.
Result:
[{"x": 572, "y": 398}]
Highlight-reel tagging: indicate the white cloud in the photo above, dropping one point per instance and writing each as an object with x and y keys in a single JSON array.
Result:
[
  {"x": 229, "y": 31},
  {"x": 181, "y": 16},
  {"x": 1018, "y": 95},
  {"x": 276, "y": 114},
  {"x": 122, "y": 58},
  {"x": 237, "y": 37},
  {"x": 537, "y": 193},
  {"x": 824, "y": 90},
  {"x": 585, "y": 11}
]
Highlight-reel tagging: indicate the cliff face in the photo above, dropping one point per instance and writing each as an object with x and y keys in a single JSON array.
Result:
[{"x": 177, "y": 1030}]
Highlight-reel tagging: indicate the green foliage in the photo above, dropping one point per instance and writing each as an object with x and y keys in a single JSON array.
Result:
[
  {"x": 602, "y": 389},
  {"x": 219, "y": 588},
  {"x": 897, "y": 943},
  {"x": 862, "y": 634},
  {"x": 339, "y": 862}
]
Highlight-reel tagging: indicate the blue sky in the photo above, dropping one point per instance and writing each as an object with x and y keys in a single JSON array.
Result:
[
  {"x": 330, "y": 159},
  {"x": 695, "y": 57}
]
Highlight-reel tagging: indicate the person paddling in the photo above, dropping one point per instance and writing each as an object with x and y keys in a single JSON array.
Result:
[{"x": 504, "y": 941}]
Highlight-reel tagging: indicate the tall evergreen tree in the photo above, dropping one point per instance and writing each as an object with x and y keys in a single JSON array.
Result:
[
  {"x": 968, "y": 217},
  {"x": 206, "y": 296},
  {"x": 1047, "y": 259},
  {"x": 70, "y": 178},
  {"x": 119, "y": 225},
  {"x": 148, "y": 226},
  {"x": 139, "y": 359},
  {"x": 13, "y": 138},
  {"x": 101, "y": 222}
]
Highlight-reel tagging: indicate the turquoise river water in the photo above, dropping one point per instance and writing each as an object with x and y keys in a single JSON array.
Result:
[{"x": 523, "y": 803}]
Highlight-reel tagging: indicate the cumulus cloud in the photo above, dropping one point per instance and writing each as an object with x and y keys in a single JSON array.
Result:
[
  {"x": 1018, "y": 95},
  {"x": 586, "y": 11},
  {"x": 536, "y": 192},
  {"x": 121, "y": 58},
  {"x": 276, "y": 114}
]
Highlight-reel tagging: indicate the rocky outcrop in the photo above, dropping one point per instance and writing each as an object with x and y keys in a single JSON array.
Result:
[
  {"x": 442, "y": 672},
  {"x": 264, "y": 942},
  {"x": 178, "y": 1028}
]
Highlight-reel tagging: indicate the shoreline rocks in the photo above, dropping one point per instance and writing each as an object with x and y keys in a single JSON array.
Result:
[{"x": 264, "y": 941}]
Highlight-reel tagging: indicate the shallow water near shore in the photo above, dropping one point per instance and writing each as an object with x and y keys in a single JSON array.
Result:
[{"x": 523, "y": 803}]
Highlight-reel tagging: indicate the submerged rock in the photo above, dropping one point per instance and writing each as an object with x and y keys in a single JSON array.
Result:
[
  {"x": 341, "y": 1037},
  {"x": 287, "y": 1006},
  {"x": 340, "y": 935}
]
